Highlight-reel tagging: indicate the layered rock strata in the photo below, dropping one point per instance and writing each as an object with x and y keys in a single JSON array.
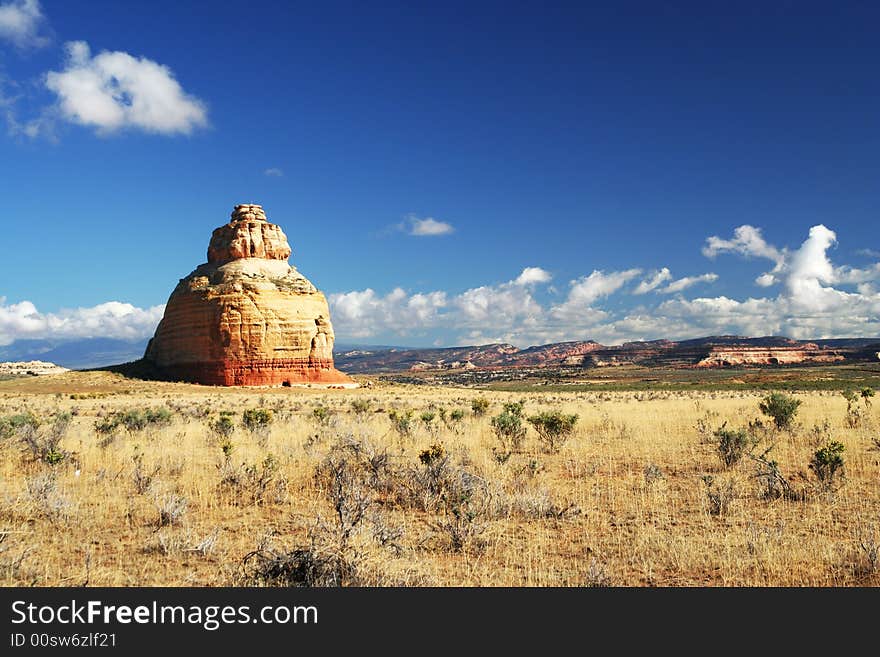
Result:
[{"x": 246, "y": 317}]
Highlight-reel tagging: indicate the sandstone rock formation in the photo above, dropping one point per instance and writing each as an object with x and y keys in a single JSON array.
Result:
[
  {"x": 734, "y": 356},
  {"x": 246, "y": 317}
]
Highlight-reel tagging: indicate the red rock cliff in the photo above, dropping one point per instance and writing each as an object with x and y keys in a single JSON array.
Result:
[{"x": 246, "y": 317}]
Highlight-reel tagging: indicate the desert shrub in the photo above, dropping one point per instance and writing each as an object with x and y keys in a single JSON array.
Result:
[
  {"x": 106, "y": 427},
  {"x": 322, "y": 415},
  {"x": 11, "y": 424},
  {"x": 553, "y": 428},
  {"x": 866, "y": 394},
  {"x": 306, "y": 566},
  {"x": 720, "y": 495},
  {"x": 508, "y": 427},
  {"x": 257, "y": 420},
  {"x": 433, "y": 454},
  {"x": 733, "y": 444},
  {"x": 337, "y": 554},
  {"x": 772, "y": 483},
  {"x": 456, "y": 415},
  {"x": 42, "y": 440},
  {"x": 466, "y": 501},
  {"x": 828, "y": 464},
  {"x": 141, "y": 476},
  {"x": 252, "y": 483},
  {"x": 479, "y": 406},
  {"x": 360, "y": 406},
  {"x": 402, "y": 422},
  {"x": 781, "y": 408},
  {"x": 171, "y": 508},
  {"x": 854, "y": 416},
  {"x": 133, "y": 420},
  {"x": 44, "y": 498},
  {"x": 224, "y": 426},
  {"x": 432, "y": 481},
  {"x": 820, "y": 433}
]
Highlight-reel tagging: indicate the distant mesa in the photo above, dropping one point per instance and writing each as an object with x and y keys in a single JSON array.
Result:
[
  {"x": 30, "y": 368},
  {"x": 718, "y": 351},
  {"x": 246, "y": 317}
]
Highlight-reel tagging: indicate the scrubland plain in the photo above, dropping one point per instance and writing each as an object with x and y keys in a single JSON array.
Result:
[{"x": 108, "y": 481}]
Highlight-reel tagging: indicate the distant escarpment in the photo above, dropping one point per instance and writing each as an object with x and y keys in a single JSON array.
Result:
[
  {"x": 246, "y": 317},
  {"x": 710, "y": 352}
]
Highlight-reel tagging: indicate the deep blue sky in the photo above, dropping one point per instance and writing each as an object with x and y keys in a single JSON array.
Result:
[{"x": 575, "y": 138}]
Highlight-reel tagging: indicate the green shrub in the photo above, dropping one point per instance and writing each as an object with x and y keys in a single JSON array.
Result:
[
  {"x": 322, "y": 415},
  {"x": 43, "y": 440},
  {"x": 508, "y": 427},
  {"x": 360, "y": 406},
  {"x": 827, "y": 463},
  {"x": 456, "y": 415},
  {"x": 10, "y": 425},
  {"x": 134, "y": 420},
  {"x": 553, "y": 428},
  {"x": 781, "y": 408},
  {"x": 479, "y": 406},
  {"x": 402, "y": 422},
  {"x": 257, "y": 419},
  {"x": 224, "y": 426},
  {"x": 733, "y": 444}
]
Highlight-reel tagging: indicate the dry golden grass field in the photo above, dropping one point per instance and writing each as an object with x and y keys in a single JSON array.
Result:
[{"x": 332, "y": 490}]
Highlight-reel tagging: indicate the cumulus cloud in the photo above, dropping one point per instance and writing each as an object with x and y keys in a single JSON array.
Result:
[
  {"x": 113, "y": 319},
  {"x": 113, "y": 91},
  {"x": 502, "y": 305},
  {"x": 748, "y": 241},
  {"x": 21, "y": 22},
  {"x": 586, "y": 290},
  {"x": 365, "y": 313},
  {"x": 815, "y": 299},
  {"x": 533, "y": 275},
  {"x": 273, "y": 172}
]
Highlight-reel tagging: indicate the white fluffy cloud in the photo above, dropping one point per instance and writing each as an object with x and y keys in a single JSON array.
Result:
[
  {"x": 586, "y": 290},
  {"x": 21, "y": 22},
  {"x": 365, "y": 313},
  {"x": 113, "y": 91},
  {"x": 273, "y": 172},
  {"x": 688, "y": 281},
  {"x": 113, "y": 319},
  {"x": 810, "y": 303},
  {"x": 427, "y": 227},
  {"x": 533, "y": 275},
  {"x": 653, "y": 281},
  {"x": 747, "y": 240},
  {"x": 815, "y": 299}
]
